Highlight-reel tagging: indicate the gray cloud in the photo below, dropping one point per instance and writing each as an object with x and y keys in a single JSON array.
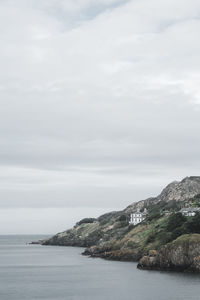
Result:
[{"x": 99, "y": 104}]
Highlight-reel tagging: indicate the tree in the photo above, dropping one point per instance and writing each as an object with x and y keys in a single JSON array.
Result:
[{"x": 175, "y": 220}]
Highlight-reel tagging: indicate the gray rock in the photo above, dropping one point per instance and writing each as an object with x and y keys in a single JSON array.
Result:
[{"x": 183, "y": 254}]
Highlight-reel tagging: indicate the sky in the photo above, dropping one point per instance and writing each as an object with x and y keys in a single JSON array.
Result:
[{"x": 99, "y": 106}]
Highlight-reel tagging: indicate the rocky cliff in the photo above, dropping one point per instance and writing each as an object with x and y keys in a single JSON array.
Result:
[
  {"x": 183, "y": 254},
  {"x": 178, "y": 191},
  {"x": 110, "y": 236}
]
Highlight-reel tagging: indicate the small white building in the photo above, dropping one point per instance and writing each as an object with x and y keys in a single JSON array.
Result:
[
  {"x": 137, "y": 217},
  {"x": 189, "y": 211}
]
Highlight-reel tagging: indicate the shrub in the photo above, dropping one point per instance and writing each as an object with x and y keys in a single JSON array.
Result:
[
  {"x": 175, "y": 220},
  {"x": 123, "y": 218},
  {"x": 165, "y": 237},
  {"x": 130, "y": 227},
  {"x": 151, "y": 238},
  {"x": 154, "y": 215},
  {"x": 86, "y": 220},
  {"x": 193, "y": 224}
]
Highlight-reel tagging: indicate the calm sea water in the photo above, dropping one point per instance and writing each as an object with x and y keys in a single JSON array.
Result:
[{"x": 45, "y": 272}]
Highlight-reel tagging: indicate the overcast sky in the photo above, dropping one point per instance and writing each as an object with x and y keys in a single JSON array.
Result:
[{"x": 99, "y": 106}]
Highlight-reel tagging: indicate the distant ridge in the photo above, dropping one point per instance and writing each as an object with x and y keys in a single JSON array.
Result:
[{"x": 175, "y": 191}]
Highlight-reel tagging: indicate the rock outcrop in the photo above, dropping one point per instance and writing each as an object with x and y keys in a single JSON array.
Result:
[
  {"x": 183, "y": 254},
  {"x": 175, "y": 191},
  {"x": 181, "y": 191},
  {"x": 124, "y": 254}
]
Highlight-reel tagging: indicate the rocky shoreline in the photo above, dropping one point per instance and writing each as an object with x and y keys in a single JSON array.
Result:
[
  {"x": 117, "y": 255},
  {"x": 183, "y": 255}
]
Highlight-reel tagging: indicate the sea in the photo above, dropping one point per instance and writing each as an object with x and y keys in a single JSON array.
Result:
[{"x": 62, "y": 273}]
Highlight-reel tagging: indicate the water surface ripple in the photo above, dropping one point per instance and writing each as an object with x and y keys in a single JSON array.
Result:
[{"x": 60, "y": 273}]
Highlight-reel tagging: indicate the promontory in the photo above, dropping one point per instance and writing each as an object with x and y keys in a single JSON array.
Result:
[{"x": 161, "y": 233}]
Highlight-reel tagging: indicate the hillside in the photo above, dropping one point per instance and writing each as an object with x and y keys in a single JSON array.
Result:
[{"x": 110, "y": 236}]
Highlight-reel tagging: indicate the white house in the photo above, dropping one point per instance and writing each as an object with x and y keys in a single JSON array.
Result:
[
  {"x": 137, "y": 217},
  {"x": 189, "y": 211}
]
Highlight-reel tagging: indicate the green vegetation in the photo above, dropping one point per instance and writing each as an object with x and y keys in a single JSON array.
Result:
[
  {"x": 183, "y": 239},
  {"x": 155, "y": 211},
  {"x": 172, "y": 227},
  {"x": 107, "y": 218},
  {"x": 86, "y": 221}
]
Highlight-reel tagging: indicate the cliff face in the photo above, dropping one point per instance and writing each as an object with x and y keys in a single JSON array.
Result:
[
  {"x": 110, "y": 236},
  {"x": 181, "y": 191},
  {"x": 183, "y": 254},
  {"x": 175, "y": 191}
]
